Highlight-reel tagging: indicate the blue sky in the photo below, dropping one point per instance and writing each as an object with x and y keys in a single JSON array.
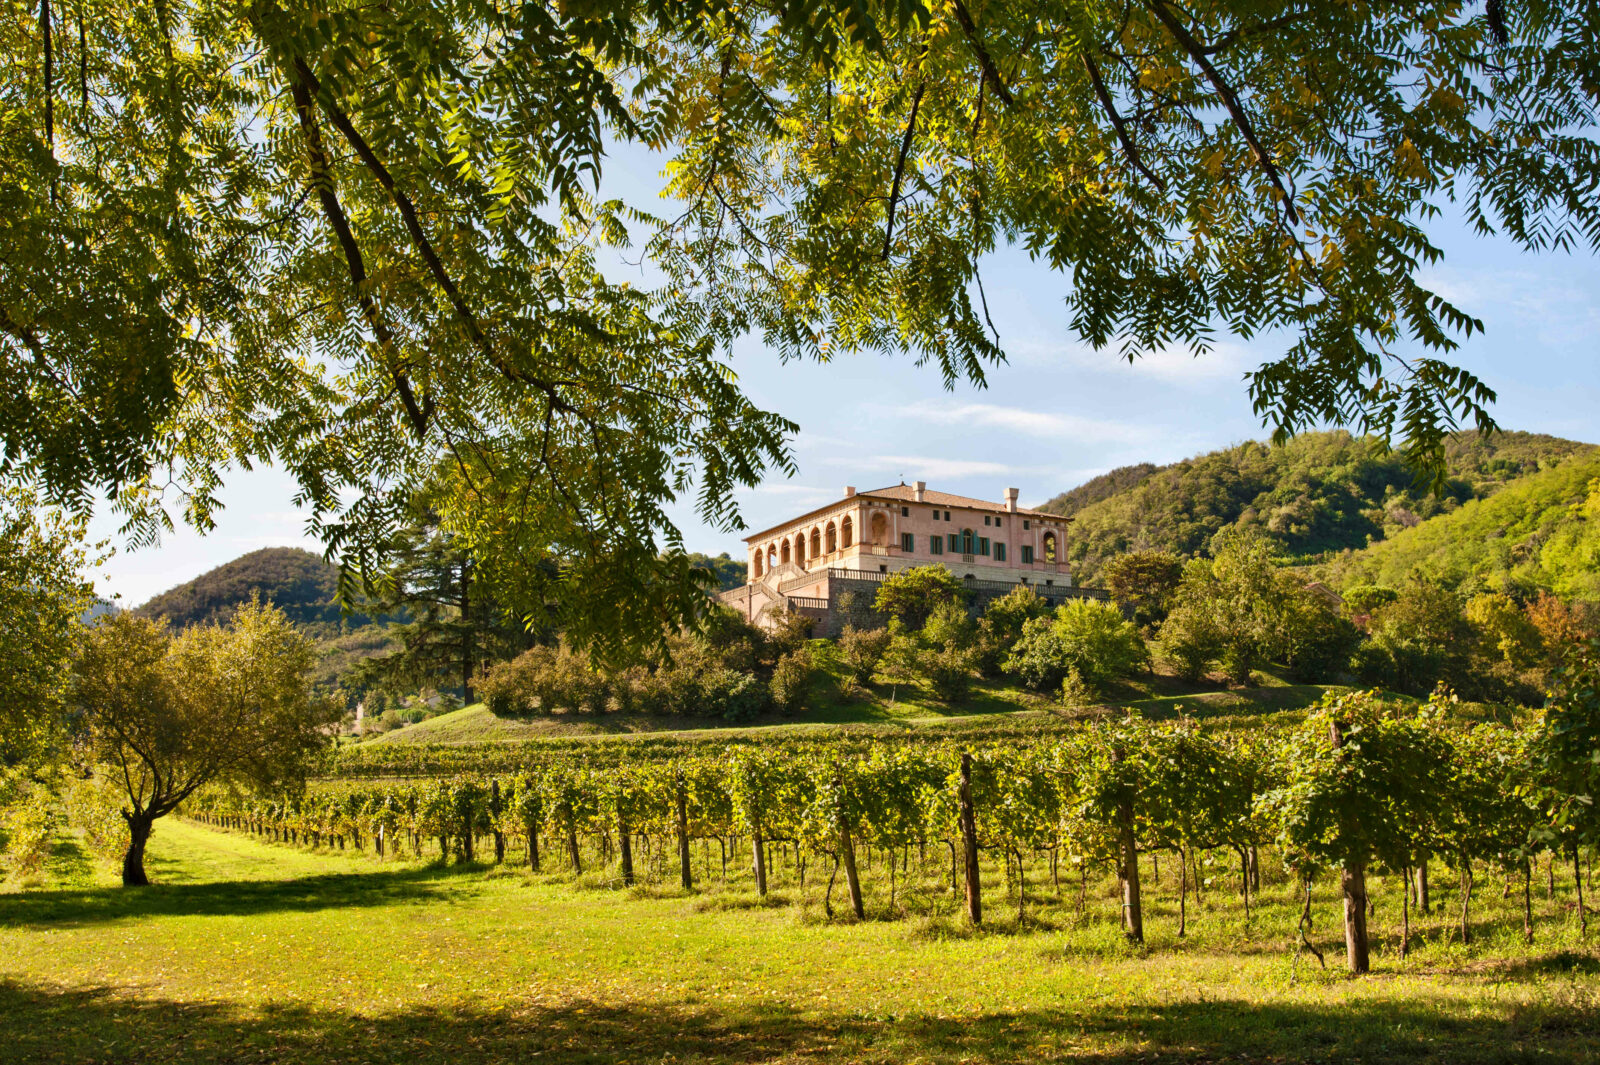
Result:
[{"x": 1055, "y": 415}]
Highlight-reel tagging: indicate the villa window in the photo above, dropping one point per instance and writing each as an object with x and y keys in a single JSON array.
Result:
[
  {"x": 955, "y": 543},
  {"x": 966, "y": 541},
  {"x": 905, "y": 512},
  {"x": 1025, "y": 524},
  {"x": 908, "y": 542},
  {"x": 999, "y": 552},
  {"x": 1027, "y": 554},
  {"x": 935, "y": 544},
  {"x": 986, "y": 519},
  {"x": 983, "y": 545}
]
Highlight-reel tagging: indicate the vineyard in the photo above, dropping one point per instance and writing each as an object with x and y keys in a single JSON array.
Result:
[{"x": 1361, "y": 786}]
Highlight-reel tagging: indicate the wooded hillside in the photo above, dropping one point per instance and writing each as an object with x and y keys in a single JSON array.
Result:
[
  {"x": 297, "y": 581},
  {"x": 1320, "y": 493}
]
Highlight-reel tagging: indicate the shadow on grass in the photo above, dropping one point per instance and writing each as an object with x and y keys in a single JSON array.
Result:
[
  {"x": 46, "y": 1026},
  {"x": 92, "y": 905}
]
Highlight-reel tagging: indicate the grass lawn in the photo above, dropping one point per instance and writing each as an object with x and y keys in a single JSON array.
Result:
[{"x": 248, "y": 952}]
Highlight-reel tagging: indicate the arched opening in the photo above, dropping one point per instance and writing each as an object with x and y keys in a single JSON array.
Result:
[
  {"x": 755, "y": 566},
  {"x": 783, "y": 551},
  {"x": 880, "y": 528},
  {"x": 800, "y": 550},
  {"x": 772, "y": 556},
  {"x": 1049, "y": 547},
  {"x": 967, "y": 545},
  {"x": 847, "y": 533},
  {"x": 816, "y": 542},
  {"x": 831, "y": 540}
]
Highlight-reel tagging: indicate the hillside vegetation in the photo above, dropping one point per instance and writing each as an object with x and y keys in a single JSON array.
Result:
[
  {"x": 1541, "y": 532},
  {"x": 298, "y": 582},
  {"x": 1319, "y": 493}
]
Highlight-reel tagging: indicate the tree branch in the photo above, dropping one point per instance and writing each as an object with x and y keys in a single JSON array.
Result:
[
  {"x": 1131, "y": 149},
  {"x": 900, "y": 167},
  {"x": 1230, "y": 100},
  {"x": 322, "y": 181},
  {"x": 990, "y": 73}
]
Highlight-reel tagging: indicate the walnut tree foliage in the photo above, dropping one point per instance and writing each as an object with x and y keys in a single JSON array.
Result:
[{"x": 356, "y": 239}]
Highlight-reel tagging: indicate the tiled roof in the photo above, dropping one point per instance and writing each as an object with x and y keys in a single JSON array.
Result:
[{"x": 904, "y": 493}]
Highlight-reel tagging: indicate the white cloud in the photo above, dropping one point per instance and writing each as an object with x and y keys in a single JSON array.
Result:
[
  {"x": 925, "y": 468},
  {"x": 1026, "y": 421}
]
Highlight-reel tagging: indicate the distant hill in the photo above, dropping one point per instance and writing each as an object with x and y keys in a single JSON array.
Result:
[
  {"x": 301, "y": 584},
  {"x": 1318, "y": 494},
  {"x": 730, "y": 572},
  {"x": 1540, "y": 531}
]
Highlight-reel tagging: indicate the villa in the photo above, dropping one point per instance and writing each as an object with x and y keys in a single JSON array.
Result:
[{"x": 827, "y": 563}]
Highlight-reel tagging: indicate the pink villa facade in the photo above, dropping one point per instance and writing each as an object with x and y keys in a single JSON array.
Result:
[{"x": 865, "y": 535}]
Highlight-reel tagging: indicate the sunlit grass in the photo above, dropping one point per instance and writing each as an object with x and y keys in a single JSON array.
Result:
[{"x": 246, "y": 951}]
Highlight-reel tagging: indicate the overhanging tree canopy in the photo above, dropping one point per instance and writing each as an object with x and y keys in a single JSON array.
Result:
[{"x": 354, "y": 238}]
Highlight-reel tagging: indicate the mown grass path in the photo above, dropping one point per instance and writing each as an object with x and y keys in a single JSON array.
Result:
[{"x": 247, "y": 952}]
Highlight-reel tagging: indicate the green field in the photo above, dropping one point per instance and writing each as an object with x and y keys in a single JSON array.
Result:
[{"x": 249, "y": 952}]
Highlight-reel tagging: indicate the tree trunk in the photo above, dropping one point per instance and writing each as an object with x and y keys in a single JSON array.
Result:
[
  {"x": 139, "y": 828},
  {"x": 1405, "y": 917},
  {"x": 572, "y": 850},
  {"x": 1244, "y": 879},
  {"x": 969, "y": 843},
  {"x": 533, "y": 847},
  {"x": 686, "y": 873},
  {"x": 1354, "y": 882},
  {"x": 1466, "y": 898},
  {"x": 1183, "y": 893},
  {"x": 847, "y": 852},
  {"x": 1422, "y": 886}
]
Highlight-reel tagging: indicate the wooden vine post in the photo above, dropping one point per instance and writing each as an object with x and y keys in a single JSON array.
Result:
[
  {"x": 681, "y": 795},
  {"x": 625, "y": 846},
  {"x": 494, "y": 821},
  {"x": 847, "y": 851},
  {"x": 758, "y": 844},
  {"x": 1128, "y": 853},
  {"x": 1353, "y": 881},
  {"x": 969, "y": 844}
]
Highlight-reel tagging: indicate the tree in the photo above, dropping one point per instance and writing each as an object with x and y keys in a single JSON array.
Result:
[
  {"x": 43, "y": 595},
  {"x": 1002, "y": 624},
  {"x": 1144, "y": 582},
  {"x": 1227, "y": 608},
  {"x": 860, "y": 651},
  {"x": 172, "y": 714},
  {"x": 325, "y": 190},
  {"x": 910, "y": 596},
  {"x": 454, "y": 626},
  {"x": 1418, "y": 640}
]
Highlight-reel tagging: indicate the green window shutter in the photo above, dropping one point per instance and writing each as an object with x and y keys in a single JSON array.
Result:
[
  {"x": 983, "y": 545},
  {"x": 999, "y": 552}
]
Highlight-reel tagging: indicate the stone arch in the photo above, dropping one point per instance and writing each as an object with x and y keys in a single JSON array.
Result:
[
  {"x": 880, "y": 528},
  {"x": 756, "y": 568},
  {"x": 816, "y": 541},
  {"x": 783, "y": 551},
  {"x": 800, "y": 549},
  {"x": 830, "y": 539},
  {"x": 847, "y": 532},
  {"x": 772, "y": 556},
  {"x": 1047, "y": 548}
]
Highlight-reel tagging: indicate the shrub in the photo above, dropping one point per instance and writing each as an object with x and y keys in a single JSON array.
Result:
[
  {"x": 949, "y": 627},
  {"x": 793, "y": 681},
  {"x": 948, "y": 671},
  {"x": 860, "y": 652},
  {"x": 1189, "y": 642},
  {"x": 731, "y": 695},
  {"x": 1090, "y": 637},
  {"x": 28, "y": 828},
  {"x": 1001, "y": 626}
]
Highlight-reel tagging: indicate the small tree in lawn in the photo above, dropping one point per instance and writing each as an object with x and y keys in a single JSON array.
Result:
[
  {"x": 171, "y": 715},
  {"x": 1084, "y": 638},
  {"x": 1143, "y": 582},
  {"x": 1360, "y": 781},
  {"x": 910, "y": 596},
  {"x": 1001, "y": 626},
  {"x": 860, "y": 652}
]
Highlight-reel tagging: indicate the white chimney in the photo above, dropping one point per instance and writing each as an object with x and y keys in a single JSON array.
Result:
[
  {"x": 849, "y": 490},
  {"x": 1011, "y": 500},
  {"x": 919, "y": 491}
]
